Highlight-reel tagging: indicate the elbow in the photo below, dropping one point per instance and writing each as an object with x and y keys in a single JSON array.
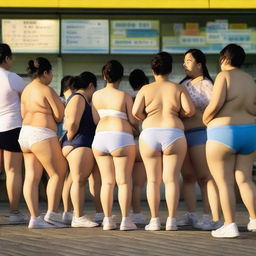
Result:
[{"x": 190, "y": 112}]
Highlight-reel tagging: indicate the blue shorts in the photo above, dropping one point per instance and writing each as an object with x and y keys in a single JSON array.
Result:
[
  {"x": 196, "y": 136},
  {"x": 241, "y": 138}
]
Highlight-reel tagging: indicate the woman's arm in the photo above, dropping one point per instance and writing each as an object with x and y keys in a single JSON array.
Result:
[
  {"x": 95, "y": 115},
  {"x": 134, "y": 123},
  {"x": 187, "y": 106},
  {"x": 218, "y": 98},
  {"x": 138, "y": 109},
  {"x": 56, "y": 104},
  {"x": 73, "y": 114}
]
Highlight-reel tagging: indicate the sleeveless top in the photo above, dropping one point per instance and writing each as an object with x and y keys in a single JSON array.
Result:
[
  {"x": 86, "y": 130},
  {"x": 200, "y": 92}
]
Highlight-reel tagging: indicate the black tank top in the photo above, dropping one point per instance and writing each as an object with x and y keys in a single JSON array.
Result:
[{"x": 86, "y": 130}]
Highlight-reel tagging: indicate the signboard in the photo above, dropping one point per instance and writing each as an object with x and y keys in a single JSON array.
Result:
[
  {"x": 131, "y": 37},
  {"x": 84, "y": 36},
  {"x": 211, "y": 39},
  {"x": 31, "y": 36}
]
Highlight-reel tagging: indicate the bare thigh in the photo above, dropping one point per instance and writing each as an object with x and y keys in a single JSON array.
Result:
[{"x": 49, "y": 153}]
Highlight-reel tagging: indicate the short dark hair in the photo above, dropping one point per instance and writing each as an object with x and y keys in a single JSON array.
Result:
[
  {"x": 5, "y": 51},
  {"x": 234, "y": 54},
  {"x": 161, "y": 63},
  {"x": 137, "y": 79},
  {"x": 113, "y": 71},
  {"x": 84, "y": 79},
  {"x": 37, "y": 67}
]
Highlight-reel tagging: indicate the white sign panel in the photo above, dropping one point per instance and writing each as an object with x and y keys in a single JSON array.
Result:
[
  {"x": 31, "y": 36},
  {"x": 84, "y": 36}
]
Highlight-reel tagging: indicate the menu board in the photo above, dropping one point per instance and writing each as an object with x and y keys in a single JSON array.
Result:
[
  {"x": 134, "y": 36},
  {"x": 211, "y": 38},
  {"x": 84, "y": 36},
  {"x": 31, "y": 35}
]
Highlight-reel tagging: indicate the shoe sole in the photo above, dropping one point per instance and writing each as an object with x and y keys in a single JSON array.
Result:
[
  {"x": 56, "y": 224},
  {"x": 42, "y": 227},
  {"x": 83, "y": 226},
  {"x": 233, "y": 236},
  {"x": 127, "y": 228},
  {"x": 153, "y": 229},
  {"x": 171, "y": 229},
  {"x": 109, "y": 228}
]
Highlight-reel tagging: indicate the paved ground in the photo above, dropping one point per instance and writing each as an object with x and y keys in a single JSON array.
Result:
[{"x": 19, "y": 240}]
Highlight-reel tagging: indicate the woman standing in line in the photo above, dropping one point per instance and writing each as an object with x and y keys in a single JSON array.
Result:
[
  {"x": 10, "y": 124},
  {"x": 231, "y": 138},
  {"x": 41, "y": 110},
  {"x": 199, "y": 85},
  {"x": 67, "y": 88},
  {"x": 113, "y": 145},
  {"x": 137, "y": 79},
  {"x": 77, "y": 144},
  {"x": 162, "y": 142}
]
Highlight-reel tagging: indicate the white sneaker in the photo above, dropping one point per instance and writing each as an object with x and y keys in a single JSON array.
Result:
[
  {"x": 138, "y": 218},
  {"x": 252, "y": 225},
  {"x": 190, "y": 219},
  {"x": 55, "y": 219},
  {"x": 99, "y": 216},
  {"x": 153, "y": 225},
  {"x": 127, "y": 224},
  {"x": 38, "y": 222},
  {"x": 17, "y": 218},
  {"x": 67, "y": 217},
  {"x": 171, "y": 224},
  {"x": 226, "y": 231},
  {"x": 83, "y": 222},
  {"x": 108, "y": 223}
]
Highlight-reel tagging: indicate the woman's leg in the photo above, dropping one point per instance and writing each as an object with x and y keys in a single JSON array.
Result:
[
  {"x": 107, "y": 172},
  {"x": 221, "y": 161},
  {"x": 208, "y": 186},
  {"x": 81, "y": 163},
  {"x": 66, "y": 199},
  {"x": 173, "y": 158},
  {"x": 123, "y": 161},
  {"x": 33, "y": 174},
  {"x": 49, "y": 153},
  {"x": 13, "y": 163},
  {"x": 152, "y": 160},
  {"x": 138, "y": 181},
  {"x": 243, "y": 175},
  {"x": 95, "y": 187},
  {"x": 189, "y": 184}
]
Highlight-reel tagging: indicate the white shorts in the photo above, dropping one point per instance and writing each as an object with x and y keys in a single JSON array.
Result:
[{"x": 30, "y": 135}]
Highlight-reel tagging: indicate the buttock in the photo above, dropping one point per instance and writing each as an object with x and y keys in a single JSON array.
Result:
[
  {"x": 161, "y": 138},
  {"x": 109, "y": 141},
  {"x": 80, "y": 140},
  {"x": 9, "y": 140},
  {"x": 196, "y": 136},
  {"x": 30, "y": 135},
  {"x": 240, "y": 138}
]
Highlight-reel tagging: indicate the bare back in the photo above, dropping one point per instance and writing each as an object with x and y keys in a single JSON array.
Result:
[
  {"x": 234, "y": 98},
  {"x": 113, "y": 99},
  {"x": 162, "y": 103},
  {"x": 41, "y": 106}
]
